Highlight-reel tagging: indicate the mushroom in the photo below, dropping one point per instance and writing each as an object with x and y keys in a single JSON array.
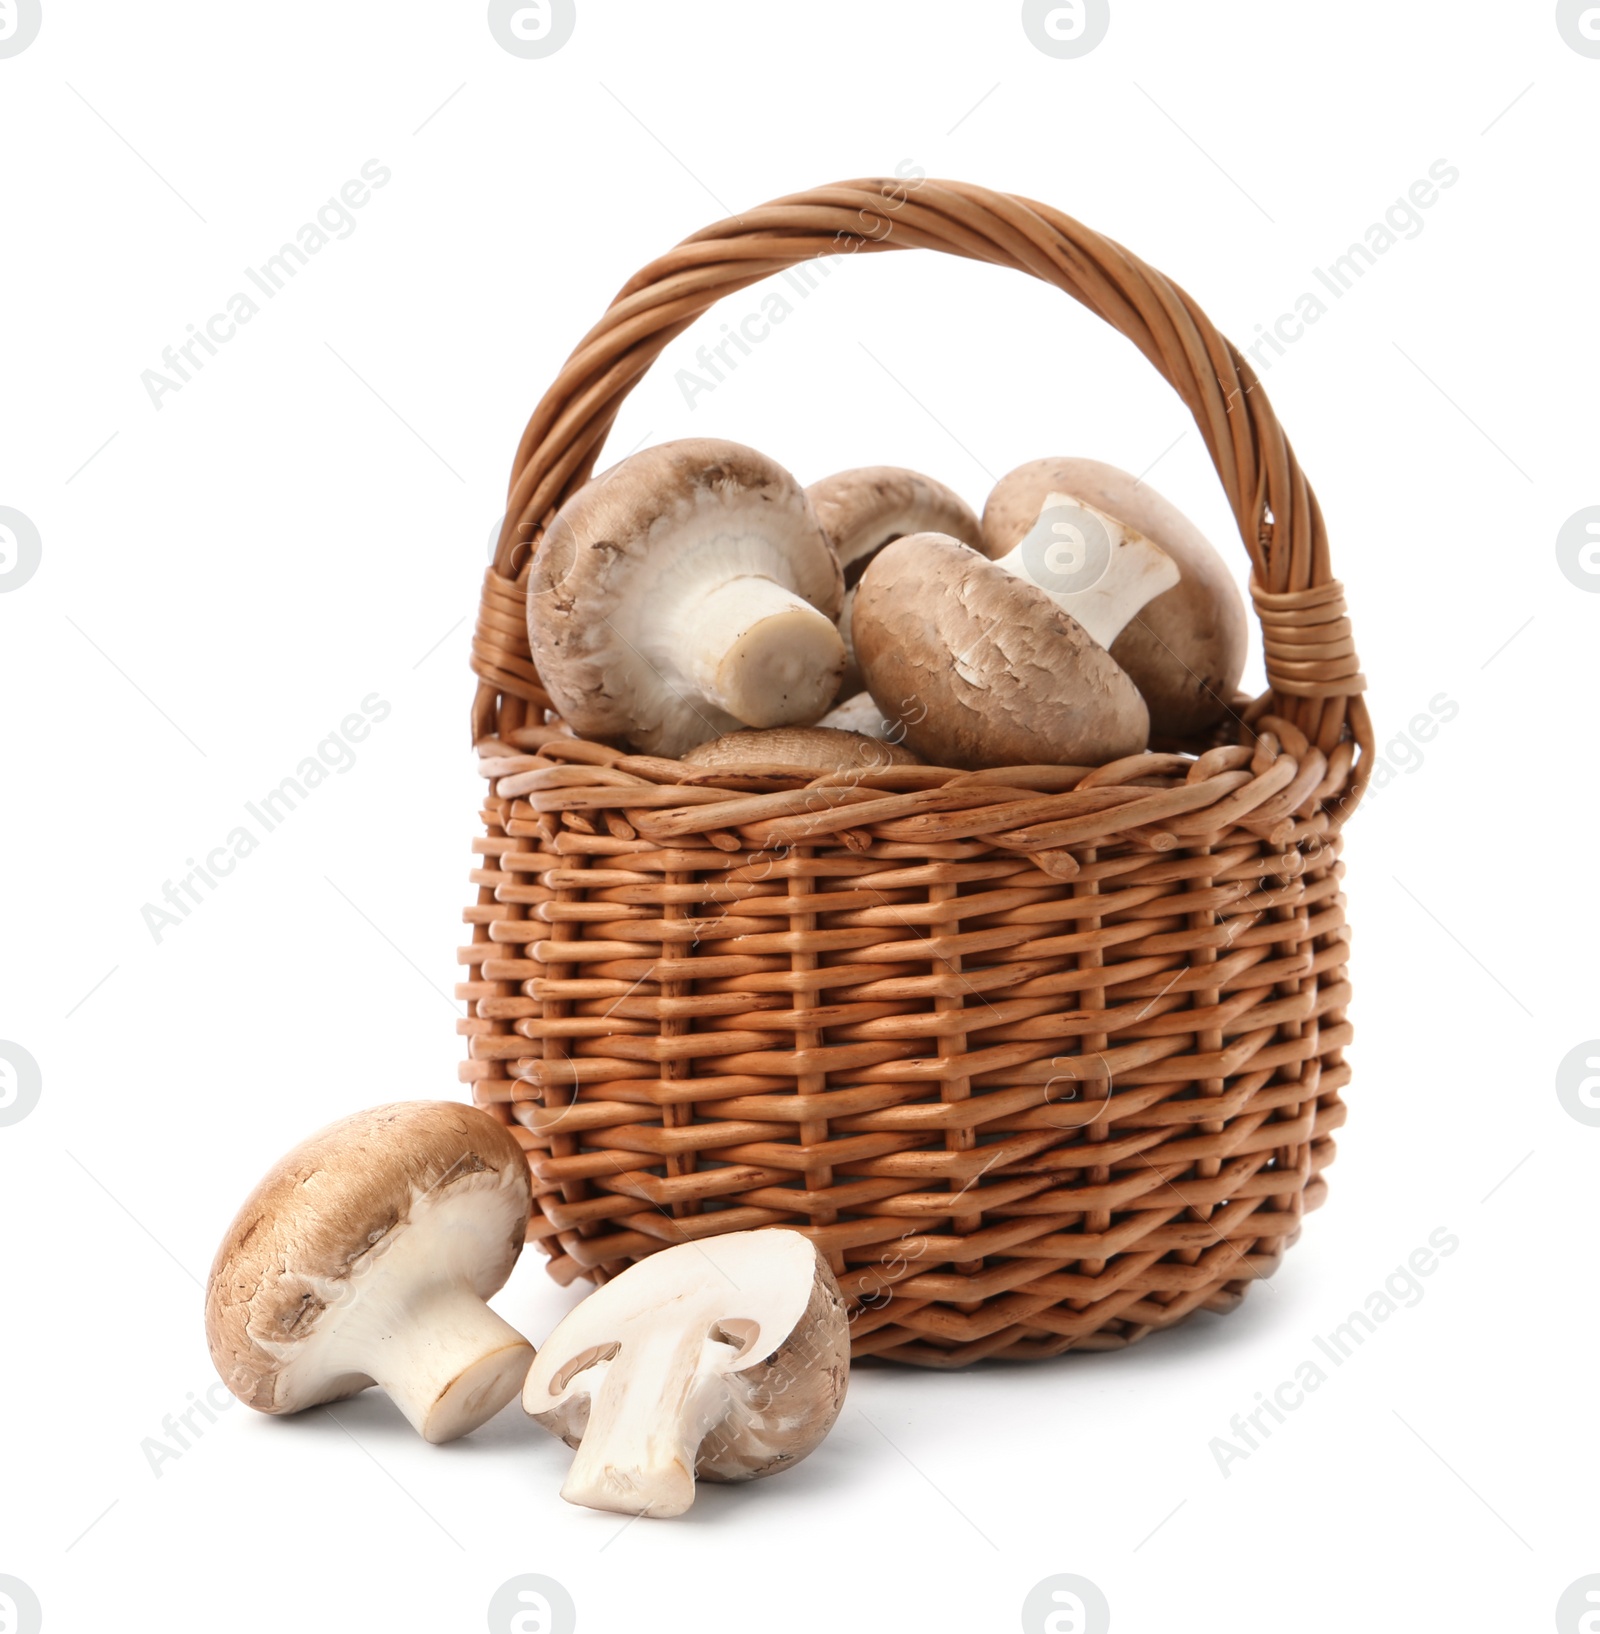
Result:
[
  {"x": 1185, "y": 649},
  {"x": 1093, "y": 567},
  {"x": 982, "y": 668},
  {"x": 725, "y": 1358},
  {"x": 859, "y": 714},
  {"x": 365, "y": 1256},
  {"x": 684, "y": 593},
  {"x": 809, "y": 748},
  {"x": 863, "y": 510}
]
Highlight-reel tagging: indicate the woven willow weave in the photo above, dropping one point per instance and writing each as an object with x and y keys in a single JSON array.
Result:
[{"x": 1041, "y": 1060}]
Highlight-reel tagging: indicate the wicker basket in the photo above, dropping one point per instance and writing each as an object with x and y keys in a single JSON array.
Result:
[{"x": 1041, "y": 1061}]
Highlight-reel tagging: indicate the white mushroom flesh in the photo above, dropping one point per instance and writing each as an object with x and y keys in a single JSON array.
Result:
[
  {"x": 725, "y": 1358},
  {"x": 406, "y": 1317},
  {"x": 1095, "y": 568}
]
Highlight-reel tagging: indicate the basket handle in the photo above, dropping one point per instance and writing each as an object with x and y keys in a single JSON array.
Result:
[{"x": 1313, "y": 677}]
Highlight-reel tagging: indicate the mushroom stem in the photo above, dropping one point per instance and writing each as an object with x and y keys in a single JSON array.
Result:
[
  {"x": 441, "y": 1354},
  {"x": 763, "y": 654},
  {"x": 1095, "y": 568},
  {"x": 649, "y": 1411}
]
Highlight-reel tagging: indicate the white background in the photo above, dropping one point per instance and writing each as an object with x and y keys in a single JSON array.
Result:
[{"x": 305, "y": 523}]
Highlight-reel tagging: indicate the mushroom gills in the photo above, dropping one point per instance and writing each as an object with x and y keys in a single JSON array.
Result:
[
  {"x": 406, "y": 1319},
  {"x": 724, "y": 1359},
  {"x": 366, "y": 1256},
  {"x": 685, "y": 593}
]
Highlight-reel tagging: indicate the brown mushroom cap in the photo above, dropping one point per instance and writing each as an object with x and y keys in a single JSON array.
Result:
[
  {"x": 332, "y": 1206},
  {"x": 807, "y": 748},
  {"x": 624, "y": 617},
  {"x": 863, "y": 510},
  {"x": 1185, "y": 649},
  {"x": 981, "y": 668}
]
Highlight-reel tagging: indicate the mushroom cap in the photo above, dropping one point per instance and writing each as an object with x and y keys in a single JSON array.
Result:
[
  {"x": 617, "y": 553},
  {"x": 807, "y": 748},
  {"x": 864, "y": 509},
  {"x": 981, "y": 668},
  {"x": 1186, "y": 647},
  {"x": 327, "y": 1211},
  {"x": 771, "y": 1322}
]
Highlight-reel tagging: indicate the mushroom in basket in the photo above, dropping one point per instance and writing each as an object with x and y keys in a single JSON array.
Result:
[
  {"x": 1184, "y": 644},
  {"x": 863, "y": 510},
  {"x": 684, "y": 593}
]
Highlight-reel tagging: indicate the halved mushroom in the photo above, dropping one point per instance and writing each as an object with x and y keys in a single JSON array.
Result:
[
  {"x": 1185, "y": 649},
  {"x": 809, "y": 748},
  {"x": 865, "y": 509},
  {"x": 684, "y": 593},
  {"x": 726, "y": 1359},
  {"x": 982, "y": 668},
  {"x": 365, "y": 1256}
]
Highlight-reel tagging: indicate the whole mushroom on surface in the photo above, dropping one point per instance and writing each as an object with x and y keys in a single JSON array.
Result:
[
  {"x": 981, "y": 668},
  {"x": 684, "y": 593},
  {"x": 864, "y": 509},
  {"x": 365, "y": 1256},
  {"x": 1185, "y": 647},
  {"x": 723, "y": 1359}
]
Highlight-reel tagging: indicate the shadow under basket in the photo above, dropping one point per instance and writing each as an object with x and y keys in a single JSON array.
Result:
[{"x": 1041, "y": 1060}]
